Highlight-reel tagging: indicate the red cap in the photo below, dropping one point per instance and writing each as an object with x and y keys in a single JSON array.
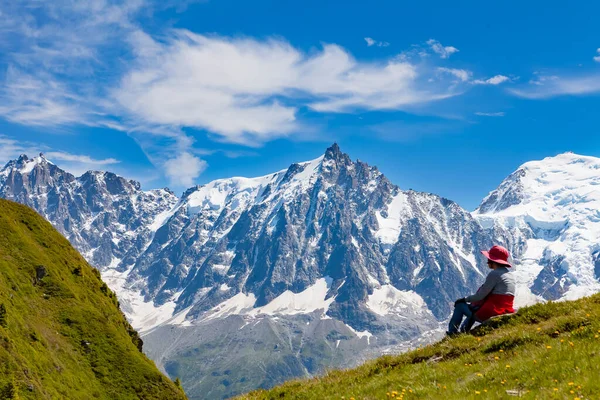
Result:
[{"x": 498, "y": 254}]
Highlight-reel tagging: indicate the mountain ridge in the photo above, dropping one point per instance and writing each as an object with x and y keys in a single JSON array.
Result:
[{"x": 380, "y": 264}]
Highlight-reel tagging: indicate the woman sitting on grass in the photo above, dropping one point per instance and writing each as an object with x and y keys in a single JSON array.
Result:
[{"x": 494, "y": 297}]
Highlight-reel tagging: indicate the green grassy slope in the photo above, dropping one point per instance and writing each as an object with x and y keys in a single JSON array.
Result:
[
  {"x": 547, "y": 351},
  {"x": 63, "y": 336}
]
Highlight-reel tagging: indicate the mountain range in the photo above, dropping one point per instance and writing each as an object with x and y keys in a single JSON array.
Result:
[{"x": 243, "y": 283}]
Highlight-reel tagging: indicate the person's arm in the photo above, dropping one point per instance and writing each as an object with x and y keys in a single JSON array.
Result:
[{"x": 485, "y": 289}]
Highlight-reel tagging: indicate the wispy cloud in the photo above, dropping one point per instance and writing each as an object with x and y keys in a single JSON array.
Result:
[
  {"x": 461, "y": 74},
  {"x": 491, "y": 114},
  {"x": 377, "y": 43},
  {"x": 10, "y": 149},
  {"x": 79, "y": 158},
  {"x": 76, "y": 164},
  {"x": 90, "y": 62},
  {"x": 597, "y": 58},
  {"x": 248, "y": 91},
  {"x": 547, "y": 86},
  {"x": 495, "y": 80},
  {"x": 63, "y": 59},
  {"x": 442, "y": 51}
]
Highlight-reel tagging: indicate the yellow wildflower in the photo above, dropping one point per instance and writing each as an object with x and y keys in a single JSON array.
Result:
[
  {"x": 496, "y": 358},
  {"x": 479, "y": 374},
  {"x": 571, "y": 383},
  {"x": 477, "y": 392},
  {"x": 548, "y": 347},
  {"x": 507, "y": 366}
]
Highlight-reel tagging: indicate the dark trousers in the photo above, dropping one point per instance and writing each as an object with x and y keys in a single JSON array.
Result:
[{"x": 462, "y": 311}]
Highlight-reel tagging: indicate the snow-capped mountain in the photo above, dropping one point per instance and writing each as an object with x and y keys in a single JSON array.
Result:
[
  {"x": 553, "y": 207},
  {"x": 104, "y": 216},
  {"x": 320, "y": 265},
  {"x": 329, "y": 240}
]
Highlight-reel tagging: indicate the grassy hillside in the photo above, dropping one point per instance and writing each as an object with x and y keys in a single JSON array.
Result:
[
  {"x": 62, "y": 335},
  {"x": 548, "y": 351}
]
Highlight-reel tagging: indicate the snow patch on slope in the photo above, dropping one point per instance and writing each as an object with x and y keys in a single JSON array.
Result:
[
  {"x": 390, "y": 226},
  {"x": 310, "y": 300},
  {"x": 389, "y": 300},
  {"x": 142, "y": 315}
]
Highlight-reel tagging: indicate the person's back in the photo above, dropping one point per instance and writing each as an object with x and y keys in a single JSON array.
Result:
[{"x": 496, "y": 295}]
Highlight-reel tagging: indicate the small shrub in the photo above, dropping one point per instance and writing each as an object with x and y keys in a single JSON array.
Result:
[
  {"x": 178, "y": 383},
  {"x": 9, "y": 391},
  {"x": 3, "y": 321},
  {"x": 104, "y": 289}
]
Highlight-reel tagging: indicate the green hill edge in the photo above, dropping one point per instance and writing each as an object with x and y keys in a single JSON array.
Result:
[
  {"x": 546, "y": 351},
  {"x": 62, "y": 335}
]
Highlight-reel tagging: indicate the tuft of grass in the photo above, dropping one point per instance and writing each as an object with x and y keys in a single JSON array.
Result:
[
  {"x": 546, "y": 351},
  {"x": 62, "y": 335}
]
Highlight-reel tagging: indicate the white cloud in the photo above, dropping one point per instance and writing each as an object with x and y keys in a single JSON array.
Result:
[
  {"x": 79, "y": 158},
  {"x": 76, "y": 164},
  {"x": 442, "y": 51},
  {"x": 11, "y": 149},
  {"x": 248, "y": 91},
  {"x": 597, "y": 58},
  {"x": 89, "y": 62},
  {"x": 184, "y": 169},
  {"x": 495, "y": 80},
  {"x": 53, "y": 53},
  {"x": 547, "y": 86},
  {"x": 373, "y": 42},
  {"x": 491, "y": 114},
  {"x": 461, "y": 74}
]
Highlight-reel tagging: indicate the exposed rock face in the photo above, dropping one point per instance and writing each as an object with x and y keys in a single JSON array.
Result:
[{"x": 330, "y": 243}]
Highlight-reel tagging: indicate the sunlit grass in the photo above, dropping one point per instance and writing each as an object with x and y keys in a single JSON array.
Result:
[
  {"x": 63, "y": 336},
  {"x": 547, "y": 351}
]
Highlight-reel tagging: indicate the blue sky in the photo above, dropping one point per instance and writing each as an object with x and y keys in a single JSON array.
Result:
[{"x": 445, "y": 98}]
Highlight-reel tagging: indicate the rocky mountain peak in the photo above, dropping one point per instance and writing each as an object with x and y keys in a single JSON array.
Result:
[{"x": 334, "y": 154}]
